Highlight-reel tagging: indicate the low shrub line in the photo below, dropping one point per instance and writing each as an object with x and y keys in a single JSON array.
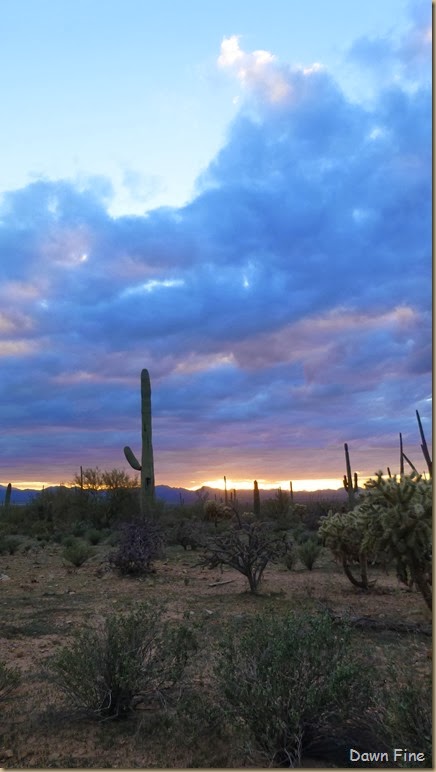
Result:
[{"x": 282, "y": 686}]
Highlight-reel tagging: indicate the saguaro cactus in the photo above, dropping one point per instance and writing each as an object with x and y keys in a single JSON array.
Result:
[
  {"x": 424, "y": 447},
  {"x": 146, "y": 467},
  {"x": 8, "y": 495},
  {"x": 256, "y": 500},
  {"x": 351, "y": 489}
]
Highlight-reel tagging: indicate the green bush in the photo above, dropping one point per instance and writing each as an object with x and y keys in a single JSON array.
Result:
[
  {"x": 77, "y": 553},
  {"x": 69, "y": 540},
  {"x": 79, "y": 528},
  {"x": 290, "y": 558},
  {"x": 9, "y": 680},
  {"x": 94, "y": 536},
  {"x": 128, "y": 660},
  {"x": 295, "y": 683},
  {"x": 9, "y": 544},
  {"x": 41, "y": 530},
  {"x": 309, "y": 552}
]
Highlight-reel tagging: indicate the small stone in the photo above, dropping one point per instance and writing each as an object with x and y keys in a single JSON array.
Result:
[{"x": 4, "y": 578}]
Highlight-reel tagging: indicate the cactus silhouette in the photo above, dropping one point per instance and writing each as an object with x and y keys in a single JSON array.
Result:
[
  {"x": 351, "y": 489},
  {"x": 256, "y": 500},
  {"x": 8, "y": 495},
  {"x": 146, "y": 467}
]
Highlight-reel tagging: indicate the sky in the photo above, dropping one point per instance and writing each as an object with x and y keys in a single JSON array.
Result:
[{"x": 235, "y": 196}]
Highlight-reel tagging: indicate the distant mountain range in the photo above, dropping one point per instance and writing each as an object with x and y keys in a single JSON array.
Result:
[{"x": 176, "y": 496}]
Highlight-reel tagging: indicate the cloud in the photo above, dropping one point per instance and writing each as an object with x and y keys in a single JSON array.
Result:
[
  {"x": 403, "y": 58},
  {"x": 257, "y": 71},
  {"x": 285, "y": 308}
]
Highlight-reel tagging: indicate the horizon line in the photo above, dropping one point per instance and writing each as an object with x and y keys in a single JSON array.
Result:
[{"x": 302, "y": 485}]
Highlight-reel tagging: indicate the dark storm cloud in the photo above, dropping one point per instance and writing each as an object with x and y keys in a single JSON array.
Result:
[{"x": 288, "y": 304}]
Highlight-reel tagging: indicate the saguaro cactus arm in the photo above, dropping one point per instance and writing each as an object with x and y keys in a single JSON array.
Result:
[{"x": 131, "y": 458}]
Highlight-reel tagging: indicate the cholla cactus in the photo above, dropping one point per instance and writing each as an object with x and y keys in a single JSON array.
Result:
[
  {"x": 343, "y": 533},
  {"x": 396, "y": 517},
  {"x": 146, "y": 467},
  {"x": 393, "y": 519},
  {"x": 214, "y": 511}
]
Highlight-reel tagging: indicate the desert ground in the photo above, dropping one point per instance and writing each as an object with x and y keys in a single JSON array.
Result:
[{"x": 43, "y": 600}]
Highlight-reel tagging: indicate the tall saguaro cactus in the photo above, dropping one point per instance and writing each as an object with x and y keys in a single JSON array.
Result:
[
  {"x": 8, "y": 496},
  {"x": 424, "y": 447},
  {"x": 146, "y": 467},
  {"x": 348, "y": 480},
  {"x": 256, "y": 500}
]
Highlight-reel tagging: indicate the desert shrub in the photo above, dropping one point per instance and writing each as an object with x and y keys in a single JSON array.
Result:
[
  {"x": 247, "y": 547},
  {"x": 201, "y": 723},
  {"x": 51, "y": 511},
  {"x": 277, "y": 506},
  {"x": 189, "y": 534},
  {"x": 309, "y": 552},
  {"x": 406, "y": 713},
  {"x": 113, "y": 539},
  {"x": 9, "y": 544},
  {"x": 9, "y": 680},
  {"x": 40, "y": 529},
  {"x": 318, "y": 508},
  {"x": 295, "y": 683},
  {"x": 94, "y": 536},
  {"x": 79, "y": 528},
  {"x": 129, "y": 659},
  {"x": 67, "y": 541},
  {"x": 215, "y": 512},
  {"x": 77, "y": 553},
  {"x": 302, "y": 535},
  {"x": 297, "y": 513},
  {"x": 290, "y": 558},
  {"x": 140, "y": 544}
]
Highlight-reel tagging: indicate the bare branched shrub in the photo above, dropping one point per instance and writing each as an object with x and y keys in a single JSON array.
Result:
[
  {"x": 139, "y": 545},
  {"x": 247, "y": 547}
]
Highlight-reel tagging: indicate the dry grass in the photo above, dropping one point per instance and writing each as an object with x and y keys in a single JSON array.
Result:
[{"x": 43, "y": 601}]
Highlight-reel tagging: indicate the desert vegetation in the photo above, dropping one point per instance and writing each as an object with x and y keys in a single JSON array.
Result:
[
  {"x": 235, "y": 633},
  {"x": 215, "y": 635}
]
